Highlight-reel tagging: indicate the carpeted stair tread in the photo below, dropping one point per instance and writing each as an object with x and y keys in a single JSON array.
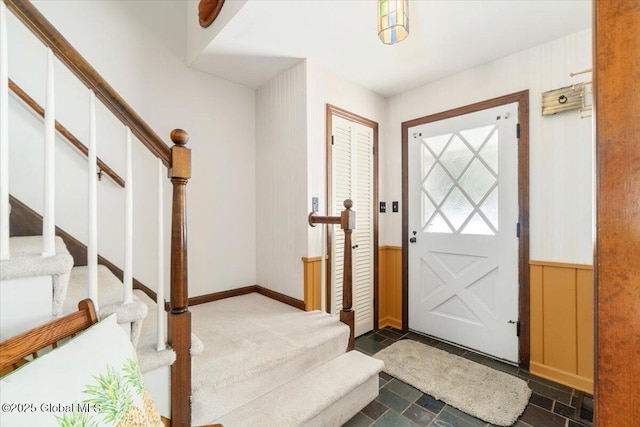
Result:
[
  {"x": 253, "y": 344},
  {"x": 329, "y": 395},
  {"x": 110, "y": 289},
  {"x": 26, "y": 260},
  {"x": 110, "y": 297},
  {"x": 149, "y": 358}
]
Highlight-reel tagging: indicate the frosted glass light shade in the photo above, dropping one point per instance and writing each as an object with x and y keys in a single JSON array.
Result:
[{"x": 393, "y": 20}]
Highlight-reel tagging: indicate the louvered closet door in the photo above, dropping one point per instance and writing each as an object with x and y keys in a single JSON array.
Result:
[{"x": 352, "y": 178}]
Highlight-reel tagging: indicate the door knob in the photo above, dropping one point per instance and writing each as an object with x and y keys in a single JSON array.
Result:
[{"x": 412, "y": 240}]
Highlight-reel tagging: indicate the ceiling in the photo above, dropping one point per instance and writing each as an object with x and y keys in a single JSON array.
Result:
[{"x": 265, "y": 37}]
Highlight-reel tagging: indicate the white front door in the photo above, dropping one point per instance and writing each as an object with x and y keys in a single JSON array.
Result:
[
  {"x": 352, "y": 178},
  {"x": 463, "y": 215}
]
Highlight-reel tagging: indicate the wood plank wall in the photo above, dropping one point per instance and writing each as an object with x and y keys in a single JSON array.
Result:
[
  {"x": 311, "y": 275},
  {"x": 390, "y": 286},
  {"x": 562, "y": 323}
]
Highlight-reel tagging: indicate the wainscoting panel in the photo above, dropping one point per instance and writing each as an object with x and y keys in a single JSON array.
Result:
[
  {"x": 562, "y": 323},
  {"x": 390, "y": 286},
  {"x": 311, "y": 274}
]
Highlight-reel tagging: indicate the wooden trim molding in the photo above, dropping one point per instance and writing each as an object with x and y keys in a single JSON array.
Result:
[
  {"x": 616, "y": 43},
  {"x": 522, "y": 98},
  {"x": 561, "y": 264},
  {"x": 562, "y": 323},
  {"x": 37, "y": 108},
  {"x": 24, "y": 221},
  {"x": 293, "y": 302},
  {"x": 202, "y": 299},
  {"x": 216, "y": 296}
]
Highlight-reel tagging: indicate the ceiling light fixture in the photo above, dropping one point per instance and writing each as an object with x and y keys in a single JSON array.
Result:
[{"x": 393, "y": 20}]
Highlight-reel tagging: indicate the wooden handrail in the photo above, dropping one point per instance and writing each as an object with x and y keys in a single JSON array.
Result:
[
  {"x": 37, "y": 108},
  {"x": 347, "y": 221},
  {"x": 26, "y": 12}
]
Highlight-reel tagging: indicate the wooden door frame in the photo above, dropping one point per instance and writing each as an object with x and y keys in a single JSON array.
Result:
[
  {"x": 330, "y": 111},
  {"x": 522, "y": 98},
  {"x": 616, "y": 42}
]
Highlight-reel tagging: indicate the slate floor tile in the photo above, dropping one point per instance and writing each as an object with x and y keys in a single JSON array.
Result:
[
  {"x": 504, "y": 367},
  {"x": 564, "y": 410},
  {"x": 359, "y": 420},
  {"x": 451, "y": 349},
  {"x": 393, "y": 419},
  {"x": 550, "y": 392},
  {"x": 378, "y": 337},
  {"x": 369, "y": 346},
  {"x": 448, "y": 418},
  {"x": 386, "y": 376},
  {"x": 546, "y": 382},
  {"x": 538, "y": 417},
  {"x": 551, "y": 404},
  {"x": 470, "y": 355},
  {"x": 419, "y": 415},
  {"x": 541, "y": 401},
  {"x": 403, "y": 389},
  {"x": 392, "y": 400},
  {"x": 390, "y": 333},
  {"x": 374, "y": 410},
  {"x": 430, "y": 403}
]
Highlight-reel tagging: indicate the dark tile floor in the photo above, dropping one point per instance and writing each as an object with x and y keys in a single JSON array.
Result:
[{"x": 399, "y": 404}]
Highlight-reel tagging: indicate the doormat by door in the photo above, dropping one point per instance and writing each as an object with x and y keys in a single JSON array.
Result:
[{"x": 480, "y": 391}]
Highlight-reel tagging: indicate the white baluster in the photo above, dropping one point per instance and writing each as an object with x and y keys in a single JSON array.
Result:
[
  {"x": 92, "y": 248},
  {"x": 49, "y": 212},
  {"x": 128, "y": 224},
  {"x": 4, "y": 135},
  {"x": 160, "y": 295}
]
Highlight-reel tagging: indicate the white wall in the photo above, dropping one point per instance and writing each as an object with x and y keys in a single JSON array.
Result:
[
  {"x": 324, "y": 87},
  {"x": 199, "y": 38},
  {"x": 281, "y": 181},
  {"x": 561, "y": 152},
  {"x": 219, "y": 116},
  {"x": 291, "y": 166}
]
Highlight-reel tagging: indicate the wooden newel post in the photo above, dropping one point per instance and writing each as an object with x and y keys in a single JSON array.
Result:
[
  {"x": 180, "y": 317},
  {"x": 348, "y": 224},
  {"x": 347, "y": 221}
]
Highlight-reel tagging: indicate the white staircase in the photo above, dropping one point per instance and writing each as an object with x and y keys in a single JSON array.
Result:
[
  {"x": 261, "y": 362},
  {"x": 269, "y": 364}
]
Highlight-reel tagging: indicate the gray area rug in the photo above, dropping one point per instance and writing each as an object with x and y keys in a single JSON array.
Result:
[{"x": 480, "y": 391}]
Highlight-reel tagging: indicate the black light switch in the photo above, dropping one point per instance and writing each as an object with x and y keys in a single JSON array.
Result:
[
  {"x": 383, "y": 207},
  {"x": 394, "y": 206}
]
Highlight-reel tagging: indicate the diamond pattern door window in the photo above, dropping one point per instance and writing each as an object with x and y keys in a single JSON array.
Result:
[{"x": 460, "y": 182}]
